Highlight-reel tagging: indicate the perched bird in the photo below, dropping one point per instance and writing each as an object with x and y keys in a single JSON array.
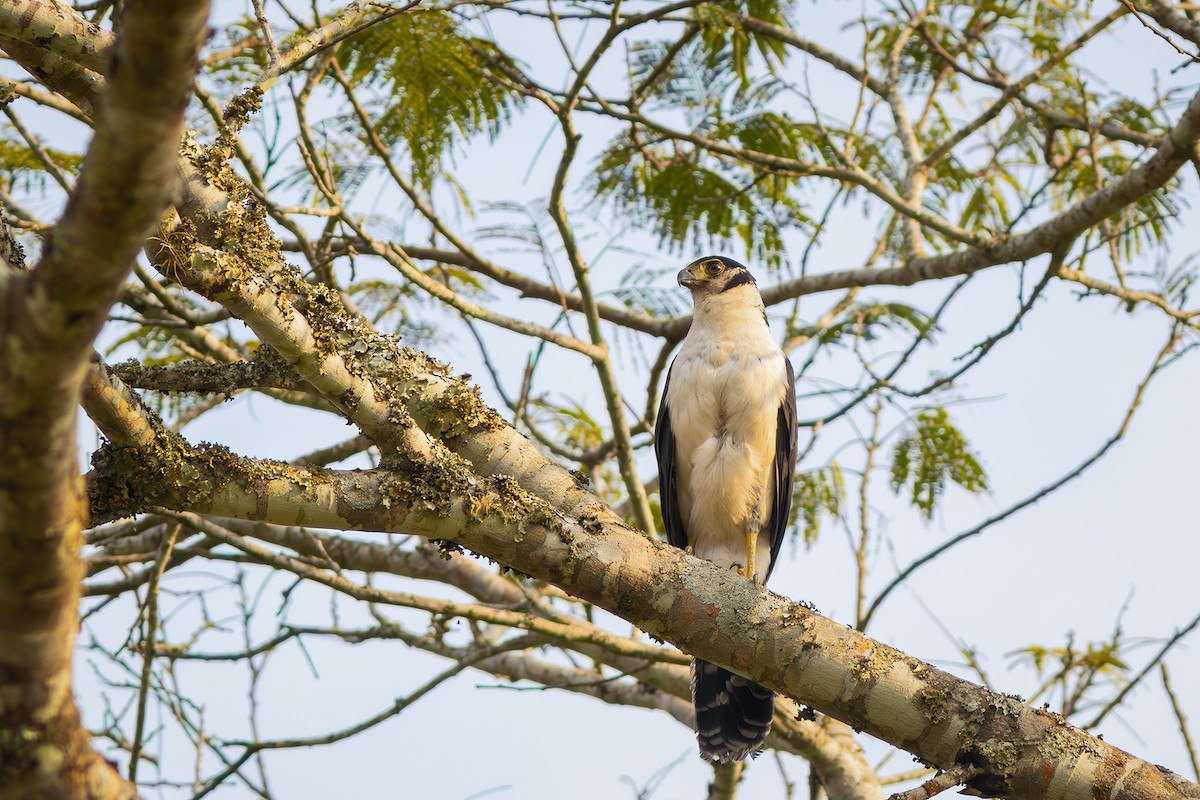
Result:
[{"x": 726, "y": 446}]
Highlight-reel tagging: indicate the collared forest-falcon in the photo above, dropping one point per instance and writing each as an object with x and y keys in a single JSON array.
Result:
[{"x": 726, "y": 446}]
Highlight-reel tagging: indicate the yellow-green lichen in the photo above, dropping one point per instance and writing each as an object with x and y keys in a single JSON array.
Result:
[{"x": 874, "y": 663}]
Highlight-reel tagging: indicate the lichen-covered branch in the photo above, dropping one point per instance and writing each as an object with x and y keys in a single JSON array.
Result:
[{"x": 708, "y": 612}]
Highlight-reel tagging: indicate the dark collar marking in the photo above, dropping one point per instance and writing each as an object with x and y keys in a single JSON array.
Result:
[{"x": 742, "y": 278}]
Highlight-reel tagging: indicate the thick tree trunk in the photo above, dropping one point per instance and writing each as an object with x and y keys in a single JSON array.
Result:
[{"x": 48, "y": 319}]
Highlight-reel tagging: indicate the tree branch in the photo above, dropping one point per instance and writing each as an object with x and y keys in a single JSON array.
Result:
[
  {"x": 721, "y": 617},
  {"x": 52, "y": 314}
]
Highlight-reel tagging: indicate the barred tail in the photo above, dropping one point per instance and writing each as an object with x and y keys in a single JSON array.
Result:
[{"x": 733, "y": 714}]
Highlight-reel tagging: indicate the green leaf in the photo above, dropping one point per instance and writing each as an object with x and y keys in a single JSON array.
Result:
[
  {"x": 576, "y": 426},
  {"x": 21, "y": 167},
  {"x": 933, "y": 453},
  {"x": 865, "y": 320},
  {"x": 389, "y": 306},
  {"x": 776, "y": 134},
  {"x": 694, "y": 201},
  {"x": 817, "y": 493},
  {"x": 243, "y": 53},
  {"x": 1131, "y": 114},
  {"x": 721, "y": 32},
  {"x": 443, "y": 85},
  {"x": 1098, "y": 657}
]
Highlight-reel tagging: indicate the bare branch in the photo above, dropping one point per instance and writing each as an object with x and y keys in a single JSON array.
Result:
[
  {"x": 1160, "y": 361},
  {"x": 943, "y": 781},
  {"x": 1151, "y": 664},
  {"x": 1182, "y": 720},
  {"x": 148, "y": 638}
]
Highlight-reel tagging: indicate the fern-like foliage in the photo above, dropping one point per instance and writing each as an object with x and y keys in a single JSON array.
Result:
[
  {"x": 691, "y": 198},
  {"x": 868, "y": 320},
  {"x": 22, "y": 169},
  {"x": 721, "y": 32},
  {"x": 243, "y": 54},
  {"x": 640, "y": 289},
  {"x": 817, "y": 493},
  {"x": 390, "y": 307},
  {"x": 932, "y": 453},
  {"x": 693, "y": 201},
  {"x": 444, "y": 85}
]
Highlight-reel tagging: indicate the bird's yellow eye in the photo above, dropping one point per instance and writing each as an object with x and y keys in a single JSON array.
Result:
[{"x": 713, "y": 267}]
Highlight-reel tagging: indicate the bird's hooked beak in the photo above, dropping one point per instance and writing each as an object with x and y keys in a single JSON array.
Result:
[{"x": 691, "y": 276}]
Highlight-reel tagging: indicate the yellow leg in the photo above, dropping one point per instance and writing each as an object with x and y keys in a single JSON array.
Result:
[{"x": 751, "y": 551}]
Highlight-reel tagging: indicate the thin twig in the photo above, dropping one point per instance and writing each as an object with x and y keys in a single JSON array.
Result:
[
  {"x": 261, "y": 15},
  {"x": 1158, "y": 657},
  {"x": 943, "y": 781},
  {"x": 1159, "y": 362},
  {"x": 1179, "y": 716},
  {"x": 147, "y": 646},
  {"x": 1157, "y": 32},
  {"x": 38, "y": 150}
]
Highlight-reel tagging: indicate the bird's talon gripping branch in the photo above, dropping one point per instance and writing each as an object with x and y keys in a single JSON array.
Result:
[{"x": 751, "y": 547}]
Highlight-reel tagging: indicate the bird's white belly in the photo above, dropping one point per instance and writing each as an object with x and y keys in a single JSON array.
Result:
[{"x": 724, "y": 399}]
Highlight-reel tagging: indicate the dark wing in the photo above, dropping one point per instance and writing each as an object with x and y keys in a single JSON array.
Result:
[
  {"x": 785, "y": 467},
  {"x": 664, "y": 449}
]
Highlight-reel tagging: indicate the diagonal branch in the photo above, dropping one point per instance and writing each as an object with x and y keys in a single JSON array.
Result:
[
  {"x": 1162, "y": 360},
  {"x": 60, "y": 30},
  {"x": 1177, "y": 148},
  {"x": 714, "y": 615}
]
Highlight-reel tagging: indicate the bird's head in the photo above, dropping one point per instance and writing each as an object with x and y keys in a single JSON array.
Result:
[{"x": 713, "y": 275}]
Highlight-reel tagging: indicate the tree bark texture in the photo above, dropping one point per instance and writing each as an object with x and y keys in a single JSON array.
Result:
[
  {"x": 706, "y": 611},
  {"x": 49, "y": 317}
]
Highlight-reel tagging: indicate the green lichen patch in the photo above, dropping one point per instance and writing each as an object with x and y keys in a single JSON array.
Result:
[
  {"x": 1008, "y": 705},
  {"x": 874, "y": 663},
  {"x": 444, "y": 487},
  {"x": 242, "y": 231},
  {"x": 242, "y": 107},
  {"x": 795, "y": 615},
  {"x": 128, "y": 480},
  {"x": 453, "y": 408},
  {"x": 934, "y": 704},
  {"x": 455, "y": 413},
  {"x": 207, "y": 377}
]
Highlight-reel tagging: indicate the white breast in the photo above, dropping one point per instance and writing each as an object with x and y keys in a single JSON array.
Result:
[{"x": 727, "y": 384}]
